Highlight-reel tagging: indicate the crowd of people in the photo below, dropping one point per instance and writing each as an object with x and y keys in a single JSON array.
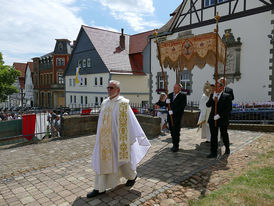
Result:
[
  {"x": 52, "y": 123},
  {"x": 9, "y": 116}
]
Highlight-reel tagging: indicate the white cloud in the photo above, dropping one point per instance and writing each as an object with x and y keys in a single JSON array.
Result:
[
  {"x": 31, "y": 26},
  {"x": 140, "y": 6},
  {"x": 134, "y": 12}
]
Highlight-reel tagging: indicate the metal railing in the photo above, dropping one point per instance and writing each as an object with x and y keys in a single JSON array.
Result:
[{"x": 11, "y": 131}]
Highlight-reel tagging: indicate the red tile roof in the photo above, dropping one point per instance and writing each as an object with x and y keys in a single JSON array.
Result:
[
  {"x": 20, "y": 67},
  {"x": 138, "y": 42}
]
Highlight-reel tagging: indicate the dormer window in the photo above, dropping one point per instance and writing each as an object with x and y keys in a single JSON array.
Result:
[
  {"x": 80, "y": 63},
  {"x": 84, "y": 63},
  {"x": 60, "y": 47},
  {"x": 88, "y": 62}
]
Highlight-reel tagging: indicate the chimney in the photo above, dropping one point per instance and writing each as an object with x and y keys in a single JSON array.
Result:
[{"x": 122, "y": 40}]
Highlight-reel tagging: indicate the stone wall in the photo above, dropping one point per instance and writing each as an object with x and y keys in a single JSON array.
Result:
[
  {"x": 151, "y": 125},
  {"x": 77, "y": 125},
  {"x": 190, "y": 119}
]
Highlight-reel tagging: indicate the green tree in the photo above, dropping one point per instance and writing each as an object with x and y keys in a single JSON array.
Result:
[{"x": 8, "y": 76}]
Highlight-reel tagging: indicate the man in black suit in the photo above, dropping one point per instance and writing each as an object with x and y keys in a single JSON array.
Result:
[
  {"x": 224, "y": 107},
  {"x": 177, "y": 101},
  {"x": 227, "y": 89}
]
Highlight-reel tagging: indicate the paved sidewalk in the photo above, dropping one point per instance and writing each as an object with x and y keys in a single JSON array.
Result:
[{"x": 59, "y": 172}]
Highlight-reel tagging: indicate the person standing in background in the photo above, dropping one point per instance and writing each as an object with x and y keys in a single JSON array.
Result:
[{"x": 177, "y": 101}]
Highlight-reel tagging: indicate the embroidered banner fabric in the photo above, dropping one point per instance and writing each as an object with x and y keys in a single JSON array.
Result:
[{"x": 189, "y": 52}]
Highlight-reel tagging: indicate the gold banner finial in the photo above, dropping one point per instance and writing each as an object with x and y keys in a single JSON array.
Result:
[
  {"x": 217, "y": 17},
  {"x": 226, "y": 35},
  {"x": 155, "y": 33}
]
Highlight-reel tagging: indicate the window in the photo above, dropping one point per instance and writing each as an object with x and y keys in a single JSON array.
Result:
[
  {"x": 74, "y": 82},
  {"x": 58, "y": 61},
  {"x": 70, "y": 82},
  {"x": 49, "y": 99},
  {"x": 101, "y": 99},
  {"x": 60, "y": 46},
  {"x": 70, "y": 98},
  {"x": 62, "y": 61},
  {"x": 101, "y": 80},
  {"x": 212, "y": 2},
  {"x": 160, "y": 86},
  {"x": 60, "y": 78},
  {"x": 86, "y": 81},
  {"x": 95, "y": 81},
  {"x": 161, "y": 82},
  {"x": 46, "y": 79},
  {"x": 88, "y": 62},
  {"x": 75, "y": 99},
  {"x": 50, "y": 79},
  {"x": 185, "y": 80},
  {"x": 80, "y": 63},
  {"x": 96, "y": 100},
  {"x": 81, "y": 99},
  {"x": 86, "y": 100},
  {"x": 84, "y": 63}
]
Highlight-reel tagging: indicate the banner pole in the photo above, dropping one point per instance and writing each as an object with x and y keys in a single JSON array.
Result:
[
  {"x": 163, "y": 74},
  {"x": 217, "y": 17}
]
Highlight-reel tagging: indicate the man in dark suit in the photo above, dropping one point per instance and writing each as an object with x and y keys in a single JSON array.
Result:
[
  {"x": 224, "y": 107},
  {"x": 226, "y": 88},
  {"x": 177, "y": 101}
]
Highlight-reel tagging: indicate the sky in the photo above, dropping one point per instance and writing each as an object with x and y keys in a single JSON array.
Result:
[{"x": 28, "y": 28}]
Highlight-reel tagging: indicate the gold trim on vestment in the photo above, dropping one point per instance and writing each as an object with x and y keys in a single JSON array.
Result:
[
  {"x": 106, "y": 145},
  {"x": 123, "y": 136}
]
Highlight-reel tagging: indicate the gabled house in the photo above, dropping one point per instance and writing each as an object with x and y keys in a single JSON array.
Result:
[
  {"x": 16, "y": 100},
  {"x": 103, "y": 56},
  {"x": 29, "y": 97},
  {"x": 249, "y": 63},
  {"x": 48, "y": 75}
]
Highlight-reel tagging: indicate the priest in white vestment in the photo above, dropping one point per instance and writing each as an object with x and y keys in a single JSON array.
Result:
[
  {"x": 204, "y": 113},
  {"x": 120, "y": 143}
]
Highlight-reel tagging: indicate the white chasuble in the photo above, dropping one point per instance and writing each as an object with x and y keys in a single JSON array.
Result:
[{"x": 120, "y": 139}]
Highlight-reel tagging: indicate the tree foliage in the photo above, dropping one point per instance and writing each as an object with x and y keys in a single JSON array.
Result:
[{"x": 8, "y": 76}]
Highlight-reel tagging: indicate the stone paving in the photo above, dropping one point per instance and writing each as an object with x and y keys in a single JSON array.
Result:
[{"x": 59, "y": 172}]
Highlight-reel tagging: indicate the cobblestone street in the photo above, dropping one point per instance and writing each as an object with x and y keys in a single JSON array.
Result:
[{"x": 58, "y": 172}]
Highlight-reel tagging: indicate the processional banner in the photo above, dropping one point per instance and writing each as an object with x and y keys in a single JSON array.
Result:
[{"x": 189, "y": 52}]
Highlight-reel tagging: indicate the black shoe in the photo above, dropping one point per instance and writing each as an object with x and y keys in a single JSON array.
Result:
[
  {"x": 94, "y": 193},
  {"x": 211, "y": 155},
  {"x": 130, "y": 183},
  {"x": 174, "y": 149},
  {"x": 227, "y": 151},
  {"x": 207, "y": 141}
]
